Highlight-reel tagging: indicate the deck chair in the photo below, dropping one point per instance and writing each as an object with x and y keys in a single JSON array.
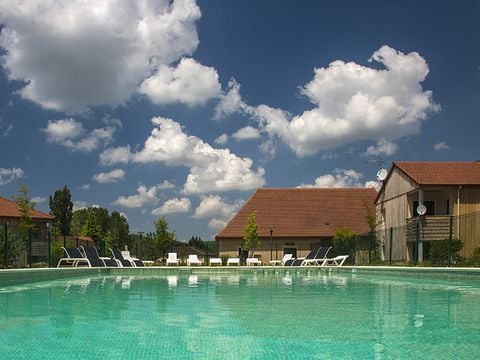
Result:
[
  {"x": 336, "y": 261},
  {"x": 172, "y": 259},
  {"x": 253, "y": 262},
  {"x": 311, "y": 255},
  {"x": 233, "y": 261},
  {"x": 318, "y": 258},
  {"x": 193, "y": 260},
  {"x": 281, "y": 262},
  {"x": 117, "y": 255},
  {"x": 133, "y": 260},
  {"x": 289, "y": 262},
  {"x": 91, "y": 254},
  {"x": 73, "y": 258}
]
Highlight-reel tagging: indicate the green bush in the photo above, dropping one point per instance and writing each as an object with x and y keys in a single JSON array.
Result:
[
  {"x": 474, "y": 259},
  {"x": 439, "y": 252},
  {"x": 343, "y": 242}
]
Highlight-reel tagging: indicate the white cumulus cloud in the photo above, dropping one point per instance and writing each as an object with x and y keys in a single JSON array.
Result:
[
  {"x": 230, "y": 102},
  {"x": 173, "y": 206},
  {"x": 341, "y": 178},
  {"x": 355, "y": 102},
  {"x": 71, "y": 134},
  {"x": 38, "y": 199},
  {"x": 222, "y": 139},
  {"x": 246, "y": 133},
  {"x": 190, "y": 83},
  {"x": 441, "y": 146},
  {"x": 210, "y": 169},
  {"x": 72, "y": 55},
  {"x": 383, "y": 147},
  {"x": 143, "y": 197},
  {"x": 217, "y": 209},
  {"x": 9, "y": 175},
  {"x": 109, "y": 177}
]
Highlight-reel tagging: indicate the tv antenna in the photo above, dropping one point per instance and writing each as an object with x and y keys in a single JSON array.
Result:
[{"x": 378, "y": 161}]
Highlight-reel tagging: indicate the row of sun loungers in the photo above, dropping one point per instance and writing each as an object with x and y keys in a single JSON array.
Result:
[
  {"x": 88, "y": 255},
  {"x": 316, "y": 257}
]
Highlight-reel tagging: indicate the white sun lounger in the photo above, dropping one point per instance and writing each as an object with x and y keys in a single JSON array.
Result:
[
  {"x": 336, "y": 261},
  {"x": 193, "y": 260},
  {"x": 215, "y": 261},
  {"x": 233, "y": 261},
  {"x": 253, "y": 262},
  {"x": 172, "y": 259},
  {"x": 281, "y": 262}
]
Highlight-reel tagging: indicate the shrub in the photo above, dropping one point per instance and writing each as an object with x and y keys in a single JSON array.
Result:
[
  {"x": 439, "y": 252},
  {"x": 343, "y": 243},
  {"x": 474, "y": 259}
]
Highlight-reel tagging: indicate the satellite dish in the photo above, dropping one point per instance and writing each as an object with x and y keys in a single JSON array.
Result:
[
  {"x": 421, "y": 209},
  {"x": 382, "y": 174}
]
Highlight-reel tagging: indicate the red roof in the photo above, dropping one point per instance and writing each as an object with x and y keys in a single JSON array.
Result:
[
  {"x": 312, "y": 212},
  {"x": 9, "y": 208},
  {"x": 441, "y": 173}
]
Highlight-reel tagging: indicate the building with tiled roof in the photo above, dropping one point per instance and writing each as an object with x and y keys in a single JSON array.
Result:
[
  {"x": 300, "y": 219},
  {"x": 10, "y": 210},
  {"x": 10, "y": 218},
  {"x": 445, "y": 189}
]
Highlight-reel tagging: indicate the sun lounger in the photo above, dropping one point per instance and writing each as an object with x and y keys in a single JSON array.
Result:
[
  {"x": 91, "y": 254},
  {"x": 193, "y": 260},
  {"x": 336, "y": 261},
  {"x": 136, "y": 262},
  {"x": 253, "y": 262},
  {"x": 311, "y": 255},
  {"x": 233, "y": 261},
  {"x": 117, "y": 255},
  {"x": 318, "y": 258},
  {"x": 289, "y": 262},
  {"x": 281, "y": 262},
  {"x": 73, "y": 258},
  {"x": 172, "y": 259},
  {"x": 215, "y": 261}
]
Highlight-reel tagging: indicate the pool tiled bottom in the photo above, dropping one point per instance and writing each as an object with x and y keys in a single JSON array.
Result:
[{"x": 241, "y": 316}]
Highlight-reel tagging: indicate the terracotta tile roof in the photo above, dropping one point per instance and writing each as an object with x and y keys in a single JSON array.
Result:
[
  {"x": 441, "y": 173},
  {"x": 303, "y": 212},
  {"x": 9, "y": 208}
]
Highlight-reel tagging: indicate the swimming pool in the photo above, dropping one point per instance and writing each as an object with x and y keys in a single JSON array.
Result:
[{"x": 255, "y": 314}]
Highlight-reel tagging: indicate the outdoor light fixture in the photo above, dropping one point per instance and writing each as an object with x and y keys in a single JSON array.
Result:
[{"x": 271, "y": 242}]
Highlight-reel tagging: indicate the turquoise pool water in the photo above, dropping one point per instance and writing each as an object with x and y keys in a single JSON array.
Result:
[{"x": 245, "y": 315}]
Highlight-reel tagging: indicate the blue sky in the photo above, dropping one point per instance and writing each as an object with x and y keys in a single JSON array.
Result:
[{"x": 182, "y": 110}]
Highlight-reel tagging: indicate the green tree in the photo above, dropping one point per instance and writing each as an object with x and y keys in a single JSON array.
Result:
[
  {"x": 164, "y": 239},
  {"x": 78, "y": 221},
  {"x": 372, "y": 221},
  {"x": 26, "y": 207},
  {"x": 197, "y": 242},
  {"x": 61, "y": 207},
  {"x": 26, "y": 225},
  {"x": 118, "y": 229},
  {"x": 93, "y": 228},
  {"x": 343, "y": 242},
  {"x": 251, "y": 239}
]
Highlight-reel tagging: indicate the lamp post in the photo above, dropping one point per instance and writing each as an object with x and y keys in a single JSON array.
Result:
[{"x": 271, "y": 243}]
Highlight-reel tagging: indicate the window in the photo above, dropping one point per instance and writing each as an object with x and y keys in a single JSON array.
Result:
[{"x": 290, "y": 250}]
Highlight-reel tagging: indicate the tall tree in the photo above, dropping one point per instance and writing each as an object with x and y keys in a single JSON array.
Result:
[
  {"x": 251, "y": 239},
  {"x": 26, "y": 225},
  {"x": 164, "y": 239},
  {"x": 78, "y": 221},
  {"x": 26, "y": 208},
  {"x": 118, "y": 229},
  {"x": 61, "y": 207}
]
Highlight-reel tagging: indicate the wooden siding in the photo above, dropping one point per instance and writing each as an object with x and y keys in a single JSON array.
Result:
[{"x": 398, "y": 184}]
